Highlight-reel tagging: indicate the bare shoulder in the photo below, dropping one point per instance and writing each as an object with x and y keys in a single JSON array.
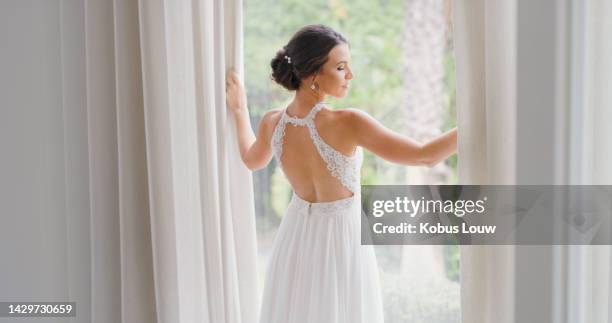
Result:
[
  {"x": 351, "y": 123},
  {"x": 271, "y": 117},
  {"x": 350, "y": 118},
  {"x": 269, "y": 121},
  {"x": 357, "y": 115}
]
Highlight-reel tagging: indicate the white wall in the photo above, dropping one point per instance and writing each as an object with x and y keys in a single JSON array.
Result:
[
  {"x": 46, "y": 173},
  {"x": 34, "y": 202}
]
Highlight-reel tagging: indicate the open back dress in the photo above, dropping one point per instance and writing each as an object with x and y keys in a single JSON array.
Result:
[{"x": 319, "y": 272}]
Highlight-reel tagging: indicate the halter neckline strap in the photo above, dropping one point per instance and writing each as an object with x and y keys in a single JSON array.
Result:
[
  {"x": 344, "y": 168},
  {"x": 309, "y": 116}
]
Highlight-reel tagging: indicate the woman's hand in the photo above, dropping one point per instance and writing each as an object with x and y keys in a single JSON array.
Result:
[
  {"x": 255, "y": 152},
  {"x": 234, "y": 93}
]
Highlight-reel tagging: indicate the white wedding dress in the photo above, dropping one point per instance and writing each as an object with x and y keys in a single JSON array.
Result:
[{"x": 319, "y": 272}]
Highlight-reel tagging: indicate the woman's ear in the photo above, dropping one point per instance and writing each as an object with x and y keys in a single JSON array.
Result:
[{"x": 313, "y": 78}]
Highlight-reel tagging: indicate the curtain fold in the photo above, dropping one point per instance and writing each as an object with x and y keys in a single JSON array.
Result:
[
  {"x": 137, "y": 284},
  {"x": 213, "y": 208},
  {"x": 485, "y": 53},
  {"x": 590, "y": 267},
  {"x": 600, "y": 25},
  {"x": 103, "y": 166},
  {"x": 230, "y": 235}
]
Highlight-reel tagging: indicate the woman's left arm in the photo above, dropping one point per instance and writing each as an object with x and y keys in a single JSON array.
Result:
[{"x": 372, "y": 135}]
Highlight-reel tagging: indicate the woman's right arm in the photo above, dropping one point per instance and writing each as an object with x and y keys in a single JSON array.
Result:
[
  {"x": 255, "y": 151},
  {"x": 397, "y": 148}
]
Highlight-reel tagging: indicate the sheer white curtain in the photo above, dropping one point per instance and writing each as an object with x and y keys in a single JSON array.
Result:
[
  {"x": 485, "y": 53},
  {"x": 187, "y": 46},
  {"x": 170, "y": 62},
  {"x": 589, "y": 267},
  {"x": 533, "y": 107},
  {"x": 144, "y": 212},
  {"x": 201, "y": 197}
]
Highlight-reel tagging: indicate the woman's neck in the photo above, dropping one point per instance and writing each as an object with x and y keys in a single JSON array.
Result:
[{"x": 305, "y": 99}]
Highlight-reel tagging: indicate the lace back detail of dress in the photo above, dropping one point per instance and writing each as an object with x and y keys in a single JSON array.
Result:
[{"x": 344, "y": 168}]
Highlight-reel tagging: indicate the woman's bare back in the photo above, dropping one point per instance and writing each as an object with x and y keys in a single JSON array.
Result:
[{"x": 312, "y": 149}]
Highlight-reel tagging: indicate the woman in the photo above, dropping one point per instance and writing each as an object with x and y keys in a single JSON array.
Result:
[{"x": 319, "y": 270}]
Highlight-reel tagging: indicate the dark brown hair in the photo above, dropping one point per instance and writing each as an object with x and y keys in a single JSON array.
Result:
[{"x": 307, "y": 52}]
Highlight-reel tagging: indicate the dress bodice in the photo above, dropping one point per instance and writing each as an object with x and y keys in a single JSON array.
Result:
[{"x": 345, "y": 168}]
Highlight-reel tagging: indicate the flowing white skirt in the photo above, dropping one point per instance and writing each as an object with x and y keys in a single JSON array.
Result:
[{"x": 319, "y": 271}]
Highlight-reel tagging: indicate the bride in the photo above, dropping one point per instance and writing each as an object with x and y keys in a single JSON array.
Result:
[{"x": 319, "y": 271}]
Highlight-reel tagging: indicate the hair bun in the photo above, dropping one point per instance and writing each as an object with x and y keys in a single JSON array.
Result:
[
  {"x": 304, "y": 55},
  {"x": 283, "y": 71}
]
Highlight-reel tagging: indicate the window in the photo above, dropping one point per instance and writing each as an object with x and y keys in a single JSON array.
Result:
[{"x": 404, "y": 76}]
